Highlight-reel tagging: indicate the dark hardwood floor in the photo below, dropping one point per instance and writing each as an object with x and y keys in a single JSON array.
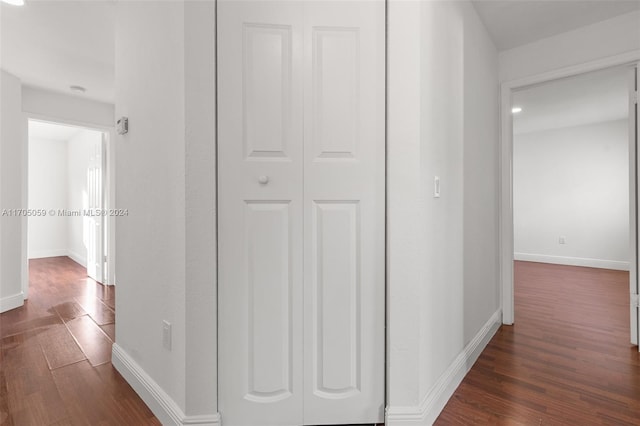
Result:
[
  {"x": 55, "y": 354},
  {"x": 566, "y": 361}
]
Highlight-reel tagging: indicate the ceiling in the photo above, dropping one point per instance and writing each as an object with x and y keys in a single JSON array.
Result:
[
  {"x": 513, "y": 23},
  {"x": 55, "y": 44},
  {"x": 51, "y": 131},
  {"x": 585, "y": 99}
]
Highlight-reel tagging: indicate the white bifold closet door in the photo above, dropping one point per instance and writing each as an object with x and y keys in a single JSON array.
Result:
[{"x": 301, "y": 154}]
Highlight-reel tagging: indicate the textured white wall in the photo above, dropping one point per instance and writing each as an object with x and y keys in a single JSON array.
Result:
[
  {"x": 200, "y": 197},
  {"x": 166, "y": 178},
  {"x": 442, "y": 252},
  {"x": 481, "y": 175},
  {"x": 441, "y": 154},
  {"x": 573, "y": 182},
  {"x": 150, "y": 176},
  {"x": 12, "y": 177}
]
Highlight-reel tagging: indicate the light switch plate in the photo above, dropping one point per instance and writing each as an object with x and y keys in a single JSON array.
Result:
[{"x": 166, "y": 335}]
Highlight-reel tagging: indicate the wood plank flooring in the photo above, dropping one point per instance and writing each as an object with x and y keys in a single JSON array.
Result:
[
  {"x": 566, "y": 361},
  {"x": 55, "y": 354}
]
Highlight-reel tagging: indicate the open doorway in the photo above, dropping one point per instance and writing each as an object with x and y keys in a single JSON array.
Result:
[
  {"x": 66, "y": 196},
  {"x": 573, "y": 198},
  {"x": 571, "y": 171}
]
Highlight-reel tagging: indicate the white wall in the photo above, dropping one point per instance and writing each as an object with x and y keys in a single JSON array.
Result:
[
  {"x": 47, "y": 235},
  {"x": 150, "y": 183},
  {"x": 443, "y": 302},
  {"x": 80, "y": 149},
  {"x": 481, "y": 176},
  {"x": 441, "y": 154},
  {"x": 12, "y": 177},
  {"x": 573, "y": 182},
  {"x": 200, "y": 198},
  {"x": 166, "y": 178},
  {"x": 614, "y": 36}
]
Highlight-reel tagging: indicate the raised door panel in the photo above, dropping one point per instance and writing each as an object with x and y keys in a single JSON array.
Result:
[
  {"x": 267, "y": 259},
  {"x": 336, "y": 299},
  {"x": 267, "y": 89},
  {"x": 335, "y": 74}
]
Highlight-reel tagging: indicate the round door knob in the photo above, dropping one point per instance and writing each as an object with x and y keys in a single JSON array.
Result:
[{"x": 263, "y": 180}]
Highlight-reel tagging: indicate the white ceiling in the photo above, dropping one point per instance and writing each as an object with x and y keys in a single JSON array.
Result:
[
  {"x": 55, "y": 44},
  {"x": 584, "y": 99},
  {"x": 513, "y": 23},
  {"x": 51, "y": 131}
]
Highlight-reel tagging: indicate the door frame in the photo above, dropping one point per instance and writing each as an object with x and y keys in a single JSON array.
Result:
[
  {"x": 633, "y": 203},
  {"x": 506, "y": 163},
  {"x": 108, "y": 193}
]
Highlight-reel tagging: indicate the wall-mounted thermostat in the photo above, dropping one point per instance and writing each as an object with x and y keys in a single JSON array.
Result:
[{"x": 122, "y": 126}]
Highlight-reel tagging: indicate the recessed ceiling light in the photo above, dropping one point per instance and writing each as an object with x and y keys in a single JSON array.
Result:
[
  {"x": 14, "y": 2},
  {"x": 516, "y": 110},
  {"x": 77, "y": 89}
]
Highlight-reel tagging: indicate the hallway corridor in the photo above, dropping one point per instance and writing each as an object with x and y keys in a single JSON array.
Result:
[{"x": 55, "y": 354}]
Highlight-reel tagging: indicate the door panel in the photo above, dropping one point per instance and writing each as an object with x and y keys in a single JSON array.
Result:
[
  {"x": 267, "y": 90},
  {"x": 344, "y": 212},
  {"x": 260, "y": 212},
  {"x": 268, "y": 261},
  {"x": 334, "y": 92},
  {"x": 336, "y": 299},
  {"x": 301, "y": 212}
]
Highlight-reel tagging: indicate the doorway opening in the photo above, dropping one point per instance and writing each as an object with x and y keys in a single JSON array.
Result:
[
  {"x": 66, "y": 196},
  {"x": 569, "y": 209}
]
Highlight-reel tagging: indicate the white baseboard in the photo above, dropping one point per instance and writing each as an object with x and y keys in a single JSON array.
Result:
[
  {"x": 82, "y": 260},
  {"x": 41, "y": 254},
  {"x": 573, "y": 261},
  {"x": 438, "y": 396},
  {"x": 161, "y": 404},
  {"x": 11, "y": 302}
]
